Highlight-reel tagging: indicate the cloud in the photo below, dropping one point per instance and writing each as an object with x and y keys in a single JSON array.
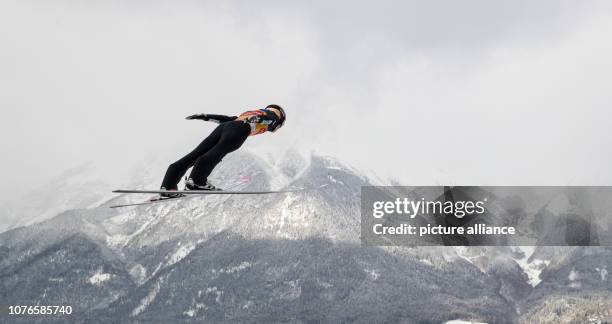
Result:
[
  {"x": 525, "y": 114},
  {"x": 470, "y": 91}
]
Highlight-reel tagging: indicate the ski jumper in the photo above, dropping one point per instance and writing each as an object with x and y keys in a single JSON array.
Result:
[{"x": 227, "y": 137}]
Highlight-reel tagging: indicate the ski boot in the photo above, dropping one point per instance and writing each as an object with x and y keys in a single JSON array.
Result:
[
  {"x": 169, "y": 194},
  {"x": 191, "y": 185}
]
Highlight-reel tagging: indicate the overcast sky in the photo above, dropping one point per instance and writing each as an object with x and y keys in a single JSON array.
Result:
[{"x": 429, "y": 92}]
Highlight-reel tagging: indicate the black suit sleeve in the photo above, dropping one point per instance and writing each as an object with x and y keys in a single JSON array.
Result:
[{"x": 220, "y": 118}]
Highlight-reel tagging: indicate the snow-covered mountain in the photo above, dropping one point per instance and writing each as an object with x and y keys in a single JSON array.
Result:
[
  {"x": 75, "y": 188},
  {"x": 291, "y": 257}
]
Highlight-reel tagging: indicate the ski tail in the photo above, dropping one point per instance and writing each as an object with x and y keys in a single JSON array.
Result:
[{"x": 148, "y": 202}]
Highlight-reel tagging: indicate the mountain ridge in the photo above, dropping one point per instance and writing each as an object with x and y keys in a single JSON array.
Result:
[{"x": 288, "y": 257}]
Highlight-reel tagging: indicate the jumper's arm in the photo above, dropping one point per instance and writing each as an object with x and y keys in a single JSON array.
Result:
[{"x": 213, "y": 118}]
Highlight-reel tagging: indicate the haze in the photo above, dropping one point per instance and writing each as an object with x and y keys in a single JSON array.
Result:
[{"x": 427, "y": 92}]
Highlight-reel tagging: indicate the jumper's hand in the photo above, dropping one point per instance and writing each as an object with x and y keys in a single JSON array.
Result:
[{"x": 198, "y": 116}]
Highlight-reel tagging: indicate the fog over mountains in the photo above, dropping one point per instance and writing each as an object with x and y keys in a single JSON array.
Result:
[{"x": 293, "y": 257}]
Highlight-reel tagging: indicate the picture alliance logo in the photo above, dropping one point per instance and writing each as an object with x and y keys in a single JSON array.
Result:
[{"x": 411, "y": 208}]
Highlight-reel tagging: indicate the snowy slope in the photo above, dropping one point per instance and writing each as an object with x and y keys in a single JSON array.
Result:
[
  {"x": 287, "y": 257},
  {"x": 77, "y": 188}
]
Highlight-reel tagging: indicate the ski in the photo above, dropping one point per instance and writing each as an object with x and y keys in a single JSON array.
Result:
[
  {"x": 192, "y": 193},
  {"x": 151, "y": 201},
  {"x": 206, "y": 192}
]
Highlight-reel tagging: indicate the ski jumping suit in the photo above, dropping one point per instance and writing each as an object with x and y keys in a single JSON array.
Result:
[{"x": 227, "y": 137}]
